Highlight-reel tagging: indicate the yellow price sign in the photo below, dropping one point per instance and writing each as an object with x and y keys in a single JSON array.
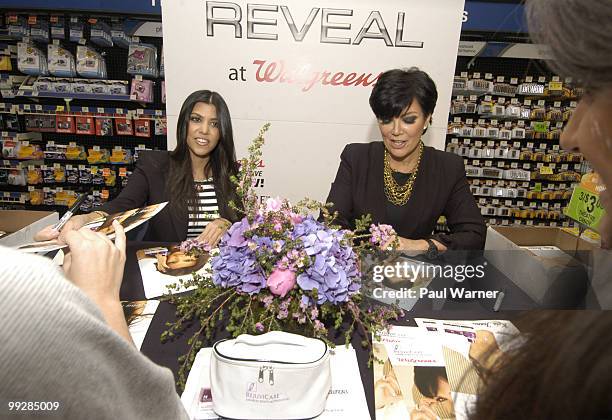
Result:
[
  {"x": 546, "y": 170},
  {"x": 556, "y": 86}
]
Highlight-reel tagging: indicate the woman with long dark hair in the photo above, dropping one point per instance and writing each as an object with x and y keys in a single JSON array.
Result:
[{"x": 194, "y": 178}]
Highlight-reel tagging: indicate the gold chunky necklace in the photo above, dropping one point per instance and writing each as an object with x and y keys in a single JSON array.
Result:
[{"x": 399, "y": 194}]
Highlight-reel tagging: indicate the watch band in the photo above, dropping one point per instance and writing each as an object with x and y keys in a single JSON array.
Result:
[{"x": 432, "y": 252}]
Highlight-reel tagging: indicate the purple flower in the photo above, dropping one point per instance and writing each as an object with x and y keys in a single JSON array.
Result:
[
  {"x": 259, "y": 327},
  {"x": 382, "y": 235},
  {"x": 274, "y": 204}
]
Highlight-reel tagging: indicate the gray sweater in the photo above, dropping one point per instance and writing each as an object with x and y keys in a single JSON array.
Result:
[{"x": 55, "y": 346}]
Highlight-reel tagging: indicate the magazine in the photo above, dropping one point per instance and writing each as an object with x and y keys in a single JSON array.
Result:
[
  {"x": 138, "y": 315},
  {"x": 468, "y": 348},
  {"x": 346, "y": 399},
  {"x": 129, "y": 219},
  {"x": 410, "y": 381},
  {"x": 161, "y": 267}
]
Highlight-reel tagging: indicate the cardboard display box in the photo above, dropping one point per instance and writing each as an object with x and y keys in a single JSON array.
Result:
[
  {"x": 547, "y": 263},
  {"x": 21, "y": 225}
]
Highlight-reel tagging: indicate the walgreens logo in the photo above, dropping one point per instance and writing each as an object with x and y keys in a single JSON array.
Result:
[{"x": 305, "y": 77}]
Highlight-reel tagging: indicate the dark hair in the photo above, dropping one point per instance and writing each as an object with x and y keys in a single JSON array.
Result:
[
  {"x": 396, "y": 89},
  {"x": 222, "y": 162},
  {"x": 579, "y": 37},
  {"x": 562, "y": 370},
  {"x": 426, "y": 379}
]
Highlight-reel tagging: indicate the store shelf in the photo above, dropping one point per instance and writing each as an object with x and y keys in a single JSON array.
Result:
[{"x": 72, "y": 95}]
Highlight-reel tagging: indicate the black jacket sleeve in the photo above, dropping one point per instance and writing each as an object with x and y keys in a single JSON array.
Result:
[
  {"x": 466, "y": 224},
  {"x": 341, "y": 194}
]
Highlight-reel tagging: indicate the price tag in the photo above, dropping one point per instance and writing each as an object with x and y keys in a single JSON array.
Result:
[
  {"x": 491, "y": 143},
  {"x": 493, "y": 122},
  {"x": 467, "y": 141},
  {"x": 573, "y": 104},
  {"x": 106, "y": 172},
  {"x": 459, "y": 98},
  {"x": 529, "y": 79},
  {"x": 488, "y": 76},
  {"x": 541, "y": 79},
  {"x": 464, "y": 74},
  {"x": 59, "y": 108},
  {"x": 25, "y": 143},
  {"x": 453, "y": 141},
  {"x": 478, "y": 143},
  {"x": 476, "y": 162},
  {"x": 501, "y": 101},
  {"x": 559, "y": 125},
  {"x": 543, "y": 146},
  {"x": 556, "y": 147},
  {"x": 81, "y": 167},
  {"x": 500, "y": 79},
  {"x": 546, "y": 170},
  {"x": 69, "y": 167},
  {"x": 94, "y": 170},
  {"x": 476, "y": 75},
  {"x": 513, "y": 80},
  {"x": 585, "y": 207},
  {"x": 96, "y": 148},
  {"x": 520, "y": 203},
  {"x": 100, "y": 110},
  {"x": 38, "y": 107},
  {"x": 540, "y": 126},
  {"x": 104, "y": 194},
  {"x": 500, "y": 164},
  {"x": 26, "y": 107},
  {"x": 508, "y": 124},
  {"x": 457, "y": 119},
  {"x": 555, "y": 86},
  {"x": 469, "y": 121},
  {"x": 530, "y": 145},
  {"x": 514, "y": 165},
  {"x": 56, "y": 166},
  {"x": 117, "y": 148},
  {"x": 85, "y": 109},
  {"x": 517, "y": 144},
  {"x": 557, "y": 104},
  {"x": 495, "y": 202},
  {"x": 488, "y": 163},
  {"x": 481, "y": 121},
  {"x": 72, "y": 144},
  {"x": 488, "y": 98},
  {"x": 123, "y": 172},
  {"x": 564, "y": 167},
  {"x": 526, "y": 166},
  {"x": 50, "y": 143},
  {"x": 527, "y": 102},
  {"x": 514, "y": 101},
  {"x": 541, "y": 102},
  {"x": 472, "y": 98}
]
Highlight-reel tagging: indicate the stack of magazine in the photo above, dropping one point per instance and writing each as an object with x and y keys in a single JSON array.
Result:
[{"x": 434, "y": 371}]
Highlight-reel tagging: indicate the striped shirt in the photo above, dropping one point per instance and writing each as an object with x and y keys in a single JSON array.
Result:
[{"x": 206, "y": 210}]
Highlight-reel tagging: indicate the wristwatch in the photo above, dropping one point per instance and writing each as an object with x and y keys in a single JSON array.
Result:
[{"x": 432, "y": 252}]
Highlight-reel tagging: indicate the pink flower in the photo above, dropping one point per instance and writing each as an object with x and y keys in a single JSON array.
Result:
[
  {"x": 274, "y": 204},
  {"x": 281, "y": 282},
  {"x": 295, "y": 218},
  {"x": 259, "y": 327},
  {"x": 278, "y": 227}
]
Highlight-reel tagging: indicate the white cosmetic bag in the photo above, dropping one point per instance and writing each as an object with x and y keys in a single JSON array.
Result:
[{"x": 276, "y": 375}]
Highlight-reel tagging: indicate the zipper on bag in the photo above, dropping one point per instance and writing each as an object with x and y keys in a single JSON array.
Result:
[{"x": 262, "y": 369}]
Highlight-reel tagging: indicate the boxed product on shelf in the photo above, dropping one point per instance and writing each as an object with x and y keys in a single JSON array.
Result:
[
  {"x": 25, "y": 150},
  {"x": 11, "y": 122},
  {"x": 36, "y": 197},
  {"x": 118, "y": 35},
  {"x": 104, "y": 126},
  {"x": 60, "y": 61},
  {"x": 142, "y": 59},
  {"x": 17, "y": 26},
  {"x": 142, "y": 127},
  {"x": 85, "y": 125},
  {"x": 72, "y": 174},
  {"x": 118, "y": 87},
  {"x": 85, "y": 175},
  {"x": 40, "y": 122},
  {"x": 31, "y": 60},
  {"x": 90, "y": 63},
  {"x": 34, "y": 175},
  {"x": 97, "y": 155},
  {"x": 123, "y": 126},
  {"x": 161, "y": 127},
  {"x": 62, "y": 85},
  {"x": 142, "y": 90},
  {"x": 77, "y": 29},
  {"x": 39, "y": 28},
  {"x": 55, "y": 151},
  {"x": 100, "y": 33},
  {"x": 75, "y": 152},
  {"x": 64, "y": 124},
  {"x": 58, "y": 28},
  {"x": 120, "y": 156}
]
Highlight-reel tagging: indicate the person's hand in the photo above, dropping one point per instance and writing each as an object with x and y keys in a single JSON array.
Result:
[
  {"x": 422, "y": 412},
  {"x": 214, "y": 231},
  {"x": 95, "y": 264},
  {"x": 75, "y": 223},
  {"x": 484, "y": 349}
]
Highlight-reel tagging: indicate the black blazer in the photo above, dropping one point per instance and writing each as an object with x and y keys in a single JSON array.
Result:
[
  {"x": 147, "y": 186},
  {"x": 441, "y": 188}
]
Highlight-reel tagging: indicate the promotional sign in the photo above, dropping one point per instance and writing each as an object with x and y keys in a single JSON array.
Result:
[
  {"x": 308, "y": 69},
  {"x": 585, "y": 207}
]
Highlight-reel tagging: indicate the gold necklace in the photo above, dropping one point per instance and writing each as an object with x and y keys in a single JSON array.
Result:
[{"x": 399, "y": 194}]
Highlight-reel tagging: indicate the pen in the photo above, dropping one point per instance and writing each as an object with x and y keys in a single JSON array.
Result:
[
  {"x": 71, "y": 211},
  {"x": 499, "y": 300}
]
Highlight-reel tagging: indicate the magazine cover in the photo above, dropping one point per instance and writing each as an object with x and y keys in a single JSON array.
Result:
[
  {"x": 138, "y": 315},
  {"x": 129, "y": 219},
  {"x": 469, "y": 348},
  {"x": 162, "y": 266},
  {"x": 411, "y": 381},
  {"x": 346, "y": 398}
]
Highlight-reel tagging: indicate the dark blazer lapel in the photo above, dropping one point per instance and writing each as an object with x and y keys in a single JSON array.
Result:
[{"x": 376, "y": 183}]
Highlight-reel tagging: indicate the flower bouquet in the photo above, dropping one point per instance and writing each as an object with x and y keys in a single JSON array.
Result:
[{"x": 281, "y": 268}]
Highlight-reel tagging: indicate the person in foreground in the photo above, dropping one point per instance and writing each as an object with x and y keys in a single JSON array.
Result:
[
  {"x": 194, "y": 178},
  {"x": 560, "y": 368},
  {"x": 65, "y": 338},
  {"x": 402, "y": 182}
]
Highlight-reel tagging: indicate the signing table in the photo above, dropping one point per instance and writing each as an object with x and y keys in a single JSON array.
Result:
[{"x": 514, "y": 303}]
